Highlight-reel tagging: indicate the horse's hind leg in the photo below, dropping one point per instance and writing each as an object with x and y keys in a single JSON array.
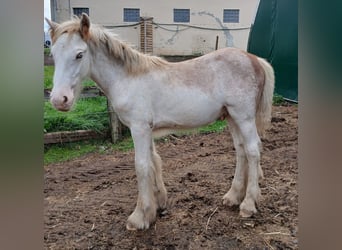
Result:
[
  {"x": 251, "y": 143},
  {"x": 160, "y": 190},
  {"x": 237, "y": 191},
  {"x": 252, "y": 148}
]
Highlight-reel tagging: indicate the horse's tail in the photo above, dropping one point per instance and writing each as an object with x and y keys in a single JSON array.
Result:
[{"x": 264, "y": 107}]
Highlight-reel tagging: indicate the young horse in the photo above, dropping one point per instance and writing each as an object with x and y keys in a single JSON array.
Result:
[{"x": 152, "y": 96}]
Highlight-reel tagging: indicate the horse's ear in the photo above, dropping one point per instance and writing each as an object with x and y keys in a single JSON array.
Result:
[
  {"x": 53, "y": 26},
  {"x": 85, "y": 25}
]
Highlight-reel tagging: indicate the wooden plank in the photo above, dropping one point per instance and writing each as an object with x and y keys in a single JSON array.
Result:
[{"x": 72, "y": 136}]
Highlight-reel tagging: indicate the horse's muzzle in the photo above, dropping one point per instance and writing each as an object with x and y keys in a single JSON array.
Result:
[{"x": 61, "y": 103}]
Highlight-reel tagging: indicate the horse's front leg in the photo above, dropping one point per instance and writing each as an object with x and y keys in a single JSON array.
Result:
[{"x": 146, "y": 208}]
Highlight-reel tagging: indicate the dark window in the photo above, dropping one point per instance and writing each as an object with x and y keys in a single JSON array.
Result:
[
  {"x": 231, "y": 16},
  {"x": 78, "y": 11},
  {"x": 131, "y": 15},
  {"x": 181, "y": 15}
]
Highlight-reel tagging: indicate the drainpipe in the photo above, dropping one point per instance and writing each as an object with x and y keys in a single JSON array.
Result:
[{"x": 70, "y": 9}]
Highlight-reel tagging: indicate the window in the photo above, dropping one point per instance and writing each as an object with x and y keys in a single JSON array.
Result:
[
  {"x": 78, "y": 11},
  {"x": 131, "y": 15},
  {"x": 181, "y": 15},
  {"x": 231, "y": 16}
]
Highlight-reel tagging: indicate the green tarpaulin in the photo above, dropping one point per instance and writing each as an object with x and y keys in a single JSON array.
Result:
[{"x": 274, "y": 36}]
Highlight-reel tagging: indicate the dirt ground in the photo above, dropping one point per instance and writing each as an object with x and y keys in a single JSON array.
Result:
[{"x": 88, "y": 200}]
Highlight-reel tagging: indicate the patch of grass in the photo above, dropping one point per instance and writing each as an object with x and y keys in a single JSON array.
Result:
[
  {"x": 65, "y": 152},
  {"x": 88, "y": 83},
  {"x": 125, "y": 145},
  {"x": 68, "y": 151},
  {"x": 88, "y": 113},
  {"x": 48, "y": 76},
  {"x": 278, "y": 100},
  {"x": 47, "y": 51},
  {"x": 216, "y": 127}
]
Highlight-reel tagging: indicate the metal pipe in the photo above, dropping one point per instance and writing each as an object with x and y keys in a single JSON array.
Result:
[{"x": 216, "y": 45}]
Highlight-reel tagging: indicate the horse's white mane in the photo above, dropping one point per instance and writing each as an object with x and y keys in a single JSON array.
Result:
[{"x": 132, "y": 60}]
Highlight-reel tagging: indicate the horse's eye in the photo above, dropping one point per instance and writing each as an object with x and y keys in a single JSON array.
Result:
[{"x": 79, "y": 55}]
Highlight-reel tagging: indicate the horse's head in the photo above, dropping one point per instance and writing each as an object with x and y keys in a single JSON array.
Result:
[{"x": 72, "y": 60}]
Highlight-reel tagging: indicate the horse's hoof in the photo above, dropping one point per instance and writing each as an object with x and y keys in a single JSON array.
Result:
[
  {"x": 247, "y": 209},
  {"x": 130, "y": 227},
  {"x": 229, "y": 202},
  {"x": 141, "y": 219},
  {"x": 246, "y": 213},
  {"x": 231, "y": 199}
]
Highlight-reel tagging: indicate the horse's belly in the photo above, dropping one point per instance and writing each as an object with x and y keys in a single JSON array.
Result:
[{"x": 188, "y": 112}]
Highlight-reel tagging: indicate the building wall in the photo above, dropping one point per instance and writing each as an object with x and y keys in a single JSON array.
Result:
[
  {"x": 60, "y": 10},
  {"x": 175, "y": 39}
]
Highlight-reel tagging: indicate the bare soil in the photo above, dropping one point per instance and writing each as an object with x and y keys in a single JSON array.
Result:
[{"x": 88, "y": 200}]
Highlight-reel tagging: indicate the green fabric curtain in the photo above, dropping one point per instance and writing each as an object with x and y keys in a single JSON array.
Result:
[{"x": 274, "y": 36}]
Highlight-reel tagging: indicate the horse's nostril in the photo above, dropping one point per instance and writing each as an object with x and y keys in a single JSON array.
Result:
[{"x": 65, "y": 99}]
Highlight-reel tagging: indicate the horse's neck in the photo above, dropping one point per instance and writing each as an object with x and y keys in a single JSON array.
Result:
[{"x": 105, "y": 72}]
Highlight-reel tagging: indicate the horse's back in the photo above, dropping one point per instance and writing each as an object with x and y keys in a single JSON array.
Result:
[{"x": 220, "y": 74}]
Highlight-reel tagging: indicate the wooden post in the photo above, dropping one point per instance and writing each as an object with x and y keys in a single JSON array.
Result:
[
  {"x": 116, "y": 127},
  {"x": 146, "y": 35},
  {"x": 216, "y": 45}
]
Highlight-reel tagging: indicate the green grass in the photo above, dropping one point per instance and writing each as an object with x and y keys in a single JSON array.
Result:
[
  {"x": 47, "y": 51},
  {"x": 90, "y": 113},
  {"x": 60, "y": 153},
  {"x": 216, "y": 127},
  {"x": 48, "y": 78},
  {"x": 69, "y": 151},
  {"x": 125, "y": 145},
  {"x": 278, "y": 100}
]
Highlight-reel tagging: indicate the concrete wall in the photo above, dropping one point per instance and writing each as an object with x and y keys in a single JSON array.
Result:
[
  {"x": 60, "y": 10},
  {"x": 174, "y": 39}
]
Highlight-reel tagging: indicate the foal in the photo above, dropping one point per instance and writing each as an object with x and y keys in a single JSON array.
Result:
[{"x": 154, "y": 97}]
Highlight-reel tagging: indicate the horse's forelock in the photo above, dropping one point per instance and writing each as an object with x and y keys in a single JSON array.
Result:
[{"x": 70, "y": 27}]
